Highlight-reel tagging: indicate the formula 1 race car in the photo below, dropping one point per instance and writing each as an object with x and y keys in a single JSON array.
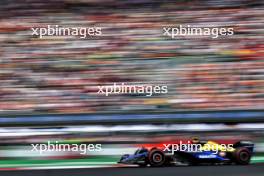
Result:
[{"x": 240, "y": 153}]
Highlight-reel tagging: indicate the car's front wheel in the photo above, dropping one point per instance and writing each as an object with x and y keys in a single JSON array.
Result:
[{"x": 156, "y": 158}]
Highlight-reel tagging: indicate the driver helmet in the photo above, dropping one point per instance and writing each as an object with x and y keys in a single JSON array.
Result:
[{"x": 195, "y": 140}]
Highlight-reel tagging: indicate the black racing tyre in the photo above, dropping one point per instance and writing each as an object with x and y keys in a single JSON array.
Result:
[
  {"x": 156, "y": 158},
  {"x": 242, "y": 156}
]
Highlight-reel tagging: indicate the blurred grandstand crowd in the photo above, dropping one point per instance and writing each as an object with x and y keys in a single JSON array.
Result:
[{"x": 61, "y": 74}]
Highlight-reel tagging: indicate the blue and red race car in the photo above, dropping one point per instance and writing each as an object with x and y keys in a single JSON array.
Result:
[{"x": 240, "y": 153}]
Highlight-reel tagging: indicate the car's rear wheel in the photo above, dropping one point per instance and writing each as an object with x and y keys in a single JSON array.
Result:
[
  {"x": 242, "y": 156},
  {"x": 156, "y": 158}
]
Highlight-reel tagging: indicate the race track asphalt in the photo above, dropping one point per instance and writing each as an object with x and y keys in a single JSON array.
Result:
[{"x": 250, "y": 170}]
